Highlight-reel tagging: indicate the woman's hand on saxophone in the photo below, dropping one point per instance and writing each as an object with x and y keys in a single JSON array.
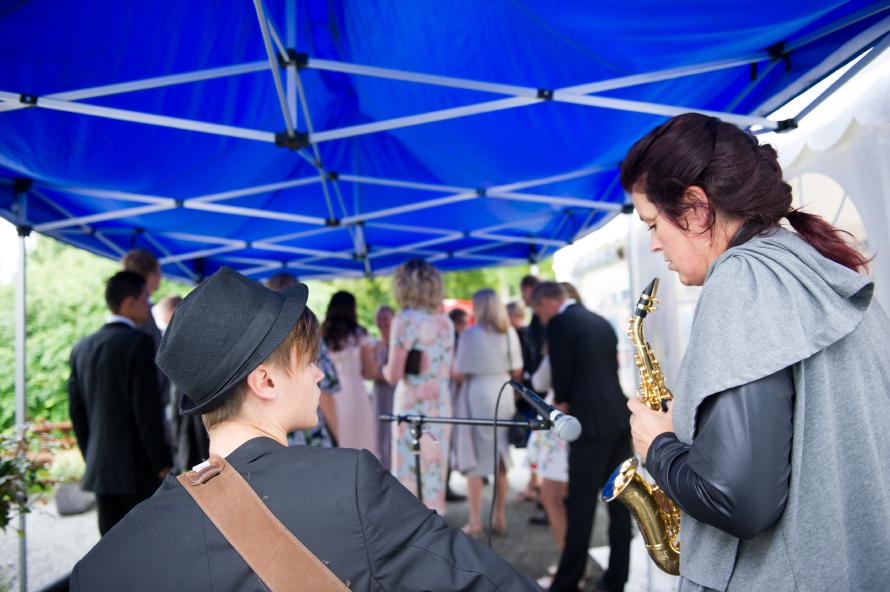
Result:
[{"x": 646, "y": 425}]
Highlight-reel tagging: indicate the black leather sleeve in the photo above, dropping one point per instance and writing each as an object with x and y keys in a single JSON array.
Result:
[{"x": 735, "y": 474}]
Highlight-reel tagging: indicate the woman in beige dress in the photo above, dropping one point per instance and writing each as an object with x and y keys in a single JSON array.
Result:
[{"x": 489, "y": 355}]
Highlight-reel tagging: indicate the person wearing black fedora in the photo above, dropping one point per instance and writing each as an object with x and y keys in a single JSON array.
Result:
[{"x": 243, "y": 356}]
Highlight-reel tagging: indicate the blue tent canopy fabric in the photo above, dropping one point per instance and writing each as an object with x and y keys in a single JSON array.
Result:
[{"x": 469, "y": 133}]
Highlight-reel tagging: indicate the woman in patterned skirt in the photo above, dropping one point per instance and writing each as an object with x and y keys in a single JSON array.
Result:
[{"x": 420, "y": 326}]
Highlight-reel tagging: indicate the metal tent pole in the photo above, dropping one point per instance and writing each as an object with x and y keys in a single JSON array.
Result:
[{"x": 21, "y": 408}]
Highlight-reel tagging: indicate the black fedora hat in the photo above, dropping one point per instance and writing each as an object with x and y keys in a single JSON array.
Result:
[{"x": 223, "y": 330}]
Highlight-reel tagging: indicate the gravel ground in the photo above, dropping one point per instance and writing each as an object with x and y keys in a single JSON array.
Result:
[{"x": 56, "y": 543}]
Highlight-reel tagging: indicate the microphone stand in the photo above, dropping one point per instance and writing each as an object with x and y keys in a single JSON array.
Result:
[{"x": 417, "y": 421}]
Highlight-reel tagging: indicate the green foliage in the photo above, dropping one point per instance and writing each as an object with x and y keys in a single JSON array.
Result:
[
  {"x": 18, "y": 478},
  {"x": 67, "y": 466},
  {"x": 66, "y": 303}
]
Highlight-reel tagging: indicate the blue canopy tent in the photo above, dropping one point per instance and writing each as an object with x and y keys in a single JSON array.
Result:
[{"x": 340, "y": 139}]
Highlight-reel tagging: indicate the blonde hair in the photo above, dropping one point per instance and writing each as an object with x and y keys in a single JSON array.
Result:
[
  {"x": 489, "y": 311},
  {"x": 516, "y": 307},
  {"x": 140, "y": 261},
  {"x": 418, "y": 285},
  {"x": 301, "y": 346}
]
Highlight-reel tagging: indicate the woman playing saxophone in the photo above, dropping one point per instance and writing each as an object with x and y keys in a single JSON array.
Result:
[{"x": 777, "y": 439}]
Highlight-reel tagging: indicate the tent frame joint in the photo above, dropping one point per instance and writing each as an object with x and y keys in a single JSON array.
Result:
[
  {"x": 22, "y": 184},
  {"x": 24, "y": 230},
  {"x": 26, "y": 99},
  {"x": 481, "y": 191},
  {"x": 545, "y": 94},
  {"x": 293, "y": 58},
  {"x": 776, "y": 51},
  {"x": 333, "y": 175},
  {"x": 296, "y": 142},
  {"x": 332, "y": 222},
  {"x": 786, "y": 125}
]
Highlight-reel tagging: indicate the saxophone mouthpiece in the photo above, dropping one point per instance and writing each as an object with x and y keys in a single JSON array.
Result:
[{"x": 647, "y": 301}]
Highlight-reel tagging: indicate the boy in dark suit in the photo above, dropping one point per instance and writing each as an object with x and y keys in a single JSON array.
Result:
[
  {"x": 115, "y": 406},
  {"x": 243, "y": 357}
]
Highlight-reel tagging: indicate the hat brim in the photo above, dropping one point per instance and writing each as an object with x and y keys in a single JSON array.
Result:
[{"x": 295, "y": 297}]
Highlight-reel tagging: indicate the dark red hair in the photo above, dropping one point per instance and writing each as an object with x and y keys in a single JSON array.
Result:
[{"x": 740, "y": 177}]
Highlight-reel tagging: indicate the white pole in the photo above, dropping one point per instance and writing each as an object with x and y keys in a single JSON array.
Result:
[
  {"x": 290, "y": 28},
  {"x": 21, "y": 409},
  {"x": 273, "y": 65}
]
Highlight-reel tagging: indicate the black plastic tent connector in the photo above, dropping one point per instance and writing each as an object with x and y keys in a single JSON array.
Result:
[
  {"x": 22, "y": 184},
  {"x": 294, "y": 58},
  {"x": 333, "y": 175},
  {"x": 545, "y": 94},
  {"x": 776, "y": 50},
  {"x": 24, "y": 230},
  {"x": 28, "y": 99},
  {"x": 481, "y": 192},
  {"x": 786, "y": 125},
  {"x": 627, "y": 208},
  {"x": 332, "y": 222},
  {"x": 296, "y": 142}
]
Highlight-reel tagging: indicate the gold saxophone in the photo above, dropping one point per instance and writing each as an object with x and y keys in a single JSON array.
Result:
[{"x": 657, "y": 516}]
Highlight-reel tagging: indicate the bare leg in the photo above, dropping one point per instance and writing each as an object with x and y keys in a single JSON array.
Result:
[
  {"x": 553, "y": 495},
  {"x": 474, "y": 497}
]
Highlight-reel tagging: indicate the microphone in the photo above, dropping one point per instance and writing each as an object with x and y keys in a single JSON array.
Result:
[{"x": 565, "y": 427}]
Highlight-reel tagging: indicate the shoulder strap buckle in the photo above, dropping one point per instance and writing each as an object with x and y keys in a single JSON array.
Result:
[{"x": 205, "y": 471}]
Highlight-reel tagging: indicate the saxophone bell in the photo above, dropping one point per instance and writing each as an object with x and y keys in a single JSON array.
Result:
[{"x": 645, "y": 504}]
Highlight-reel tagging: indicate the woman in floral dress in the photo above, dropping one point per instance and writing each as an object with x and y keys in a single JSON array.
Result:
[{"x": 419, "y": 325}]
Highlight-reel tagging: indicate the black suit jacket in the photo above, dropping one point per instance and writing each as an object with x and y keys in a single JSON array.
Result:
[
  {"x": 340, "y": 503},
  {"x": 115, "y": 409},
  {"x": 533, "y": 346},
  {"x": 584, "y": 361}
]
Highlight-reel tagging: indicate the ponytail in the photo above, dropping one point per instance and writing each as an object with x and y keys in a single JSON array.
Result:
[{"x": 827, "y": 239}]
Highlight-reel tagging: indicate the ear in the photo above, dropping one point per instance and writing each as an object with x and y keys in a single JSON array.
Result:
[
  {"x": 698, "y": 216},
  {"x": 127, "y": 304},
  {"x": 261, "y": 382}
]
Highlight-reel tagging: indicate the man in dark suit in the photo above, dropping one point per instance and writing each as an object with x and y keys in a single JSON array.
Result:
[
  {"x": 242, "y": 356},
  {"x": 533, "y": 345},
  {"x": 584, "y": 361},
  {"x": 115, "y": 407}
]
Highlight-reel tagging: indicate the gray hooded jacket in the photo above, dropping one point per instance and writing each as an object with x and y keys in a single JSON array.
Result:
[{"x": 768, "y": 304}]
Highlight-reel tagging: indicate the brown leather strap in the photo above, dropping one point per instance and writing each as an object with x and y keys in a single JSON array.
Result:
[{"x": 272, "y": 552}]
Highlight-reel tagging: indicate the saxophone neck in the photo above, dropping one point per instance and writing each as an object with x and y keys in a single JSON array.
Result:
[{"x": 648, "y": 301}]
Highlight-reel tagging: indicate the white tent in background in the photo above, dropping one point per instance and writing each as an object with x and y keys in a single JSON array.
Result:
[{"x": 853, "y": 149}]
